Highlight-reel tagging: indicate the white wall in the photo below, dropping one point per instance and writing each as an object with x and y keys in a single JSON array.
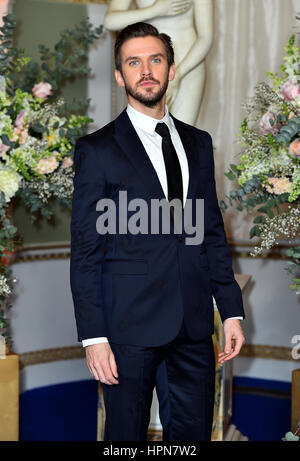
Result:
[
  {"x": 272, "y": 316},
  {"x": 99, "y": 86}
]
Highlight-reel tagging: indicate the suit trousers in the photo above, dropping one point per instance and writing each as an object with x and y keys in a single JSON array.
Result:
[{"x": 190, "y": 371}]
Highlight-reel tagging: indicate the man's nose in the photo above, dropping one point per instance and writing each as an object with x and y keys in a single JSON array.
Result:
[{"x": 146, "y": 69}]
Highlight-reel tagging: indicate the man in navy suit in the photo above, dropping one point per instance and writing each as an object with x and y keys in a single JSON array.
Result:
[{"x": 144, "y": 300}]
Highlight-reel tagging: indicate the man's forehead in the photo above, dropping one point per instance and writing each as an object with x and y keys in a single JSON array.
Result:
[{"x": 143, "y": 46}]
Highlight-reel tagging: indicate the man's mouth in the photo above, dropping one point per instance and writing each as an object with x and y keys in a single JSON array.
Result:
[{"x": 148, "y": 83}]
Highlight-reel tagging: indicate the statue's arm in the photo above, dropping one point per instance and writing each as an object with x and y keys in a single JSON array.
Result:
[
  {"x": 203, "y": 13},
  {"x": 119, "y": 16}
]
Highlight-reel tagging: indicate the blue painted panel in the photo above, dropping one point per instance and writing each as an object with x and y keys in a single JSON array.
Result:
[
  {"x": 261, "y": 408},
  {"x": 68, "y": 412},
  {"x": 63, "y": 412}
]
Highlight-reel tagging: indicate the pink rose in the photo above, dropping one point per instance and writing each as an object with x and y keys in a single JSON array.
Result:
[
  {"x": 20, "y": 134},
  {"x": 42, "y": 90},
  {"x": 67, "y": 162},
  {"x": 294, "y": 148},
  {"x": 20, "y": 131},
  {"x": 290, "y": 90},
  {"x": 268, "y": 123},
  {"x": 3, "y": 147},
  {"x": 20, "y": 119},
  {"x": 280, "y": 185},
  {"x": 23, "y": 135},
  {"x": 47, "y": 165}
]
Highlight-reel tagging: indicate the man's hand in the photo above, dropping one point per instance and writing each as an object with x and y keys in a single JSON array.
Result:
[
  {"x": 234, "y": 339},
  {"x": 101, "y": 363}
]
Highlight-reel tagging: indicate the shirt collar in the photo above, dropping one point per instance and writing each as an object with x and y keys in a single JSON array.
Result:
[{"x": 147, "y": 123}]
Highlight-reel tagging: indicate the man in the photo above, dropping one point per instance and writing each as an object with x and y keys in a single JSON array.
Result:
[{"x": 144, "y": 298}]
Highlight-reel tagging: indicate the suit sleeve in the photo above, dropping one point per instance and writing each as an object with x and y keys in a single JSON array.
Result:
[
  {"x": 225, "y": 288},
  {"x": 87, "y": 245}
]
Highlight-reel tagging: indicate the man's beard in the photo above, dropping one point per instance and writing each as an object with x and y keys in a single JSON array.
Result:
[{"x": 150, "y": 99}]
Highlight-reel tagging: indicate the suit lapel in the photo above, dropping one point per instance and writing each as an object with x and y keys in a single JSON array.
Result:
[{"x": 130, "y": 143}]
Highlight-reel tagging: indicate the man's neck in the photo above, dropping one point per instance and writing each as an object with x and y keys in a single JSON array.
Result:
[{"x": 157, "y": 111}]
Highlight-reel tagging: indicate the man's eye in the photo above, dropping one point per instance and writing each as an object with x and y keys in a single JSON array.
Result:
[
  {"x": 132, "y": 63},
  {"x": 156, "y": 59}
]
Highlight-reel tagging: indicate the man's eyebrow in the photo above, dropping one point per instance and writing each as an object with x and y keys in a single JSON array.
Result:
[{"x": 130, "y": 58}]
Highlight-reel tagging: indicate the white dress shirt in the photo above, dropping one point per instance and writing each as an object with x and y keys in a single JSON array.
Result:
[{"x": 152, "y": 141}]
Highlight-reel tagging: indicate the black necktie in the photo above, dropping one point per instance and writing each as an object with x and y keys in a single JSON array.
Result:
[{"x": 174, "y": 176}]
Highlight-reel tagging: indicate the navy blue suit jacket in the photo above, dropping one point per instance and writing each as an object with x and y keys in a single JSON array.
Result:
[{"x": 136, "y": 289}]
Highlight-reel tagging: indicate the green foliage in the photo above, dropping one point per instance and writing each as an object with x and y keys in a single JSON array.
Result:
[
  {"x": 287, "y": 132},
  {"x": 7, "y": 230},
  {"x": 7, "y": 52},
  {"x": 69, "y": 58},
  {"x": 65, "y": 63},
  {"x": 276, "y": 80},
  {"x": 293, "y": 267}
]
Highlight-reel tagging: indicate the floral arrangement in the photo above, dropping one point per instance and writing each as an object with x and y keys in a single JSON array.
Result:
[
  {"x": 37, "y": 135},
  {"x": 292, "y": 436},
  {"x": 268, "y": 174}
]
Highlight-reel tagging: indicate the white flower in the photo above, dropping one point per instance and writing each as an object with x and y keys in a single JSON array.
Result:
[
  {"x": 56, "y": 120},
  {"x": 5, "y": 122},
  {"x": 9, "y": 182},
  {"x": 297, "y": 102},
  {"x": 5, "y": 289}
]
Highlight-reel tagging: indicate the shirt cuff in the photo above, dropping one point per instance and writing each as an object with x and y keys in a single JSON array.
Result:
[
  {"x": 240, "y": 318},
  {"x": 91, "y": 341}
]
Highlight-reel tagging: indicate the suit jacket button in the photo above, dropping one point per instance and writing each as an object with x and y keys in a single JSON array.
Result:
[{"x": 180, "y": 238}]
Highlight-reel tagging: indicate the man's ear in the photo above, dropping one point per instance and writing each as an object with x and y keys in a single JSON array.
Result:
[
  {"x": 172, "y": 71},
  {"x": 119, "y": 78}
]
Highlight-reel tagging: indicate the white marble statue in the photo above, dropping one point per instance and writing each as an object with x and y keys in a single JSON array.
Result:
[{"x": 190, "y": 26}]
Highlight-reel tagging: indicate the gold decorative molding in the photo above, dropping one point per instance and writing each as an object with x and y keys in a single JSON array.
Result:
[
  {"x": 41, "y": 257},
  {"x": 267, "y": 352},
  {"x": 21, "y": 256},
  {"x": 82, "y": 2},
  {"x": 43, "y": 246},
  {"x": 257, "y": 351},
  {"x": 51, "y": 355}
]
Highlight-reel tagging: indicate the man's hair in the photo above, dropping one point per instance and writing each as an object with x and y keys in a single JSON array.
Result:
[{"x": 142, "y": 29}]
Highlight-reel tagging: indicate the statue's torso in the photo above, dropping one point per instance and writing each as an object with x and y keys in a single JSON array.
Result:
[{"x": 183, "y": 34}]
